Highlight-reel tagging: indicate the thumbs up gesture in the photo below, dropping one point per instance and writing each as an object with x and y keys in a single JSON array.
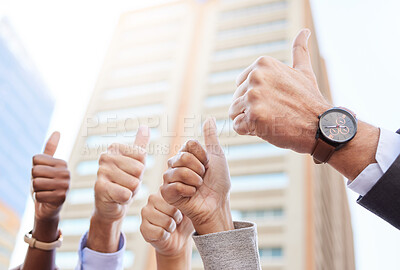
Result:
[
  {"x": 119, "y": 175},
  {"x": 278, "y": 103},
  {"x": 50, "y": 181},
  {"x": 197, "y": 182}
]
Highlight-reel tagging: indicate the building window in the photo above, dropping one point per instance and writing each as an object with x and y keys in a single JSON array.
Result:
[
  {"x": 127, "y": 137},
  {"x": 224, "y": 76},
  {"x": 218, "y": 100},
  {"x": 66, "y": 260},
  {"x": 250, "y": 151},
  {"x": 130, "y": 113},
  {"x": 81, "y": 196},
  {"x": 88, "y": 167},
  {"x": 237, "y": 14},
  {"x": 129, "y": 259},
  {"x": 255, "y": 29},
  {"x": 141, "y": 70},
  {"x": 255, "y": 49},
  {"x": 255, "y": 182},
  {"x": 256, "y": 215},
  {"x": 224, "y": 125},
  {"x": 155, "y": 15},
  {"x": 150, "y": 34},
  {"x": 271, "y": 253},
  {"x": 164, "y": 48},
  {"x": 136, "y": 90}
]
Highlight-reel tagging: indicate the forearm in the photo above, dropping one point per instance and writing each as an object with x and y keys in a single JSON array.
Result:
[
  {"x": 353, "y": 158},
  {"x": 104, "y": 235},
  {"x": 181, "y": 261},
  {"x": 44, "y": 231}
]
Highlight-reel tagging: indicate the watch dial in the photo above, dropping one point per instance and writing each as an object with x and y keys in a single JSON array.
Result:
[{"x": 338, "y": 125}]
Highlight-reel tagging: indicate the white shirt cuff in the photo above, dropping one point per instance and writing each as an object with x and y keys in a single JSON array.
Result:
[
  {"x": 387, "y": 152},
  {"x": 93, "y": 260}
]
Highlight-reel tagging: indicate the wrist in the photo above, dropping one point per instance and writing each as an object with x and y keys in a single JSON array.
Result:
[
  {"x": 357, "y": 154},
  {"x": 104, "y": 235},
  {"x": 218, "y": 221},
  {"x": 180, "y": 260},
  {"x": 46, "y": 230}
]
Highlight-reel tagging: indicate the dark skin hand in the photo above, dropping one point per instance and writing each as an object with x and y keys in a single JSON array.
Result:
[{"x": 50, "y": 182}]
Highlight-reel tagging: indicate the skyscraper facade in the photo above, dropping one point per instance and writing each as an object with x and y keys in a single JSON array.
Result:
[
  {"x": 172, "y": 65},
  {"x": 26, "y": 108}
]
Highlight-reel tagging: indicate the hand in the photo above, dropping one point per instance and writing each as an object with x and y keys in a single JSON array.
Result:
[
  {"x": 197, "y": 182},
  {"x": 168, "y": 231},
  {"x": 280, "y": 104},
  {"x": 50, "y": 181},
  {"x": 119, "y": 176},
  {"x": 118, "y": 179}
]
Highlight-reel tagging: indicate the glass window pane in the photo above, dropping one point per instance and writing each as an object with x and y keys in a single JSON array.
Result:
[
  {"x": 131, "y": 224},
  {"x": 88, "y": 167},
  {"x": 224, "y": 76},
  {"x": 259, "y": 182},
  {"x": 256, "y": 49},
  {"x": 218, "y": 100},
  {"x": 136, "y": 90},
  {"x": 255, "y": 215},
  {"x": 81, "y": 196},
  {"x": 129, "y": 259},
  {"x": 252, "y": 10},
  {"x": 271, "y": 253},
  {"x": 76, "y": 226},
  {"x": 252, "y": 29},
  {"x": 143, "y": 69},
  {"x": 66, "y": 260},
  {"x": 257, "y": 150},
  {"x": 130, "y": 113}
]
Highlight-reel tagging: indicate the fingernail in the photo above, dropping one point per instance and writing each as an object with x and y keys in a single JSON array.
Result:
[
  {"x": 178, "y": 217},
  {"x": 172, "y": 227}
]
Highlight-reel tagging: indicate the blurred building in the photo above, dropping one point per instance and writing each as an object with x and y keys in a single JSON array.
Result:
[
  {"x": 169, "y": 67},
  {"x": 26, "y": 108}
]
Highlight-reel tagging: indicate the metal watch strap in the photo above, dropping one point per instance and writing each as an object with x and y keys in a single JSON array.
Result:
[
  {"x": 33, "y": 243},
  {"x": 322, "y": 151}
]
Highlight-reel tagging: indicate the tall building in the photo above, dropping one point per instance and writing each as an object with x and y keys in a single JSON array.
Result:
[
  {"x": 170, "y": 66},
  {"x": 26, "y": 108}
]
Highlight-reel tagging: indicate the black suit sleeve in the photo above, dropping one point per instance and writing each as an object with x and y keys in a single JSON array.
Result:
[{"x": 384, "y": 197}]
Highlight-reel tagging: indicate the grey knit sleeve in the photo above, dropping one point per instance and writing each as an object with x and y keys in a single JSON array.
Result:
[{"x": 230, "y": 250}]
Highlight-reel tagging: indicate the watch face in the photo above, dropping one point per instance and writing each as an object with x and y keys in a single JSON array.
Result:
[{"x": 338, "y": 125}]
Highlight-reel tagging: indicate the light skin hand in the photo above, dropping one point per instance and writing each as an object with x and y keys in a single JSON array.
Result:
[
  {"x": 169, "y": 232},
  {"x": 50, "y": 184},
  {"x": 197, "y": 182},
  {"x": 281, "y": 105},
  {"x": 118, "y": 179}
]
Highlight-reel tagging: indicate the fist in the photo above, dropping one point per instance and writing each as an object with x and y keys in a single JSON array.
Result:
[
  {"x": 119, "y": 176},
  {"x": 164, "y": 227},
  {"x": 50, "y": 181},
  {"x": 278, "y": 103},
  {"x": 197, "y": 182}
]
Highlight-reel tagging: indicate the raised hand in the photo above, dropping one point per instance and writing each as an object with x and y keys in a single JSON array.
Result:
[
  {"x": 278, "y": 103},
  {"x": 50, "y": 181},
  {"x": 197, "y": 182},
  {"x": 169, "y": 232},
  {"x": 118, "y": 180}
]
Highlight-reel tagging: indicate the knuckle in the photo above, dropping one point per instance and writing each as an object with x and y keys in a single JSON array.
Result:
[
  {"x": 255, "y": 77},
  {"x": 185, "y": 157},
  {"x": 64, "y": 174},
  {"x": 252, "y": 115},
  {"x": 263, "y": 61},
  {"x": 62, "y": 163},
  {"x": 104, "y": 158},
  {"x": 191, "y": 143},
  {"x": 125, "y": 196},
  {"x": 36, "y": 158},
  {"x": 252, "y": 95}
]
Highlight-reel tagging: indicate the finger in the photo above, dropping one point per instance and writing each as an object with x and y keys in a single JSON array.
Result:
[
  {"x": 158, "y": 218},
  {"x": 46, "y": 184},
  {"x": 142, "y": 137},
  {"x": 131, "y": 151},
  {"x": 237, "y": 107},
  {"x": 52, "y": 143},
  {"x": 183, "y": 175},
  {"x": 157, "y": 201},
  {"x": 188, "y": 160},
  {"x": 43, "y": 159},
  {"x": 49, "y": 172},
  {"x": 211, "y": 137},
  {"x": 243, "y": 76},
  {"x": 130, "y": 166},
  {"x": 240, "y": 125},
  {"x": 119, "y": 177},
  {"x": 301, "y": 55},
  {"x": 52, "y": 197},
  {"x": 173, "y": 192},
  {"x": 241, "y": 90},
  {"x": 114, "y": 192},
  {"x": 152, "y": 233},
  {"x": 194, "y": 147}
]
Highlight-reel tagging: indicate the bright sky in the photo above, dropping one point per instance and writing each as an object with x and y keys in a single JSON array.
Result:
[{"x": 360, "y": 40}]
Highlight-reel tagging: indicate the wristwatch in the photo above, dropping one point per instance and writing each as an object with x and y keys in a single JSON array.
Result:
[
  {"x": 336, "y": 127},
  {"x": 33, "y": 243}
]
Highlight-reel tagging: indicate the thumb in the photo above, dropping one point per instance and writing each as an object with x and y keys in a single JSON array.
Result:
[
  {"x": 301, "y": 55},
  {"x": 142, "y": 137},
  {"x": 211, "y": 137},
  {"x": 52, "y": 143}
]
